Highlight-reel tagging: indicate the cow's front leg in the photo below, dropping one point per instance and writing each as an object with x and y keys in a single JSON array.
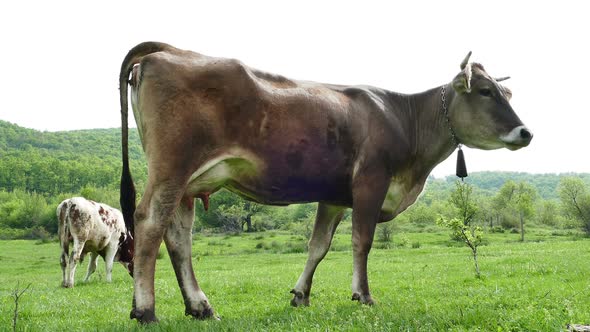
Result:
[
  {"x": 327, "y": 219},
  {"x": 362, "y": 239},
  {"x": 178, "y": 238},
  {"x": 368, "y": 197}
]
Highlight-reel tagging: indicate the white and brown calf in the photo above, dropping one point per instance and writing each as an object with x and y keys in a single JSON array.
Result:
[{"x": 94, "y": 228}]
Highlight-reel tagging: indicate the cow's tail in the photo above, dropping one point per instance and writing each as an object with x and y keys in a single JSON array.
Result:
[{"x": 127, "y": 195}]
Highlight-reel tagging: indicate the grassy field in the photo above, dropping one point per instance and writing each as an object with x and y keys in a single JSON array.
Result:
[{"x": 538, "y": 285}]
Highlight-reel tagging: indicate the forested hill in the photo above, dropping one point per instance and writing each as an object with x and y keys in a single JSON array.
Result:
[
  {"x": 491, "y": 182},
  {"x": 103, "y": 141},
  {"x": 64, "y": 162}
]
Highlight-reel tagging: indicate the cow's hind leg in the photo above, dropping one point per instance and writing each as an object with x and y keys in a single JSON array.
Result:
[
  {"x": 152, "y": 217},
  {"x": 327, "y": 219},
  {"x": 91, "y": 265},
  {"x": 178, "y": 238}
]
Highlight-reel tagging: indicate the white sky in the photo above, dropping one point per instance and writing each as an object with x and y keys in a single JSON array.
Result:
[{"x": 59, "y": 60}]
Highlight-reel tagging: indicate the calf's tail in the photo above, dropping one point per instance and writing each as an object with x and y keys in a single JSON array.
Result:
[{"x": 62, "y": 226}]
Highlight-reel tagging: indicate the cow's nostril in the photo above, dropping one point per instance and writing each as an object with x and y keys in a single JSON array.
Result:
[{"x": 525, "y": 133}]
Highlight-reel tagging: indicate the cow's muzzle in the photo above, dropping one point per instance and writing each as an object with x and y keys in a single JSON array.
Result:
[{"x": 517, "y": 138}]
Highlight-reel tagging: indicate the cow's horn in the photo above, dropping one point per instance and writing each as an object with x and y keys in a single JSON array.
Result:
[
  {"x": 465, "y": 61},
  {"x": 502, "y": 78}
]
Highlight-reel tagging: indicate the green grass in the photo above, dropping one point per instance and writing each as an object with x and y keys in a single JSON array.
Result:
[{"x": 538, "y": 285}]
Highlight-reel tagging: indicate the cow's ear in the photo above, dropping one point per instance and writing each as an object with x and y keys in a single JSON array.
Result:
[
  {"x": 507, "y": 92},
  {"x": 462, "y": 82}
]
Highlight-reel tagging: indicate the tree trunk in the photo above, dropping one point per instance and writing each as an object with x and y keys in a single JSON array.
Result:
[
  {"x": 248, "y": 221},
  {"x": 521, "y": 227},
  {"x": 476, "y": 263}
]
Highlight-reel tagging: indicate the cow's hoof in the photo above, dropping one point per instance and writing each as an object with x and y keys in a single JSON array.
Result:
[
  {"x": 67, "y": 285},
  {"x": 204, "y": 311},
  {"x": 299, "y": 299},
  {"x": 144, "y": 317},
  {"x": 363, "y": 299}
]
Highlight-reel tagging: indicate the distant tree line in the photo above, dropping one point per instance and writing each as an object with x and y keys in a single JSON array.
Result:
[{"x": 39, "y": 169}]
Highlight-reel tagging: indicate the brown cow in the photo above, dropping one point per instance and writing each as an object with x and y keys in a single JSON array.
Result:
[
  {"x": 94, "y": 228},
  {"x": 208, "y": 123}
]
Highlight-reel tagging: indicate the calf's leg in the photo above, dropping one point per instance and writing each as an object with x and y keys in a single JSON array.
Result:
[
  {"x": 75, "y": 256},
  {"x": 109, "y": 259},
  {"x": 63, "y": 261},
  {"x": 91, "y": 265}
]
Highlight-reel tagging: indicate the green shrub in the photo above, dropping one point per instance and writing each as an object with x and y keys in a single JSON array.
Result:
[
  {"x": 497, "y": 229},
  {"x": 383, "y": 245},
  {"x": 340, "y": 247},
  {"x": 12, "y": 234},
  {"x": 404, "y": 241},
  {"x": 294, "y": 248},
  {"x": 384, "y": 232},
  {"x": 262, "y": 224},
  {"x": 39, "y": 233}
]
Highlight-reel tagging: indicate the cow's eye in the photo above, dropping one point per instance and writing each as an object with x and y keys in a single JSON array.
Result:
[{"x": 485, "y": 92}]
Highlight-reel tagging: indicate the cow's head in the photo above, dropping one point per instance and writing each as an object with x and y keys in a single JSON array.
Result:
[
  {"x": 125, "y": 252},
  {"x": 480, "y": 113}
]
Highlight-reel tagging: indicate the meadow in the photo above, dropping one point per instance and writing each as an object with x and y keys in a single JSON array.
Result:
[{"x": 426, "y": 283}]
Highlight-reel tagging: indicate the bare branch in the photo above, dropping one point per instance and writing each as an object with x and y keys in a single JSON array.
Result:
[{"x": 17, "y": 293}]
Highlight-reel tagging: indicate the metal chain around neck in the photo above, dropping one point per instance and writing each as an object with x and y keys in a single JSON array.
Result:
[{"x": 443, "y": 93}]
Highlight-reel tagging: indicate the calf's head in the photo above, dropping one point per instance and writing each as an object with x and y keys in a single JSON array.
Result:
[
  {"x": 125, "y": 252},
  {"x": 480, "y": 112}
]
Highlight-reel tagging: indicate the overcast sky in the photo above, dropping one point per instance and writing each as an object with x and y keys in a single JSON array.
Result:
[{"x": 60, "y": 60}]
